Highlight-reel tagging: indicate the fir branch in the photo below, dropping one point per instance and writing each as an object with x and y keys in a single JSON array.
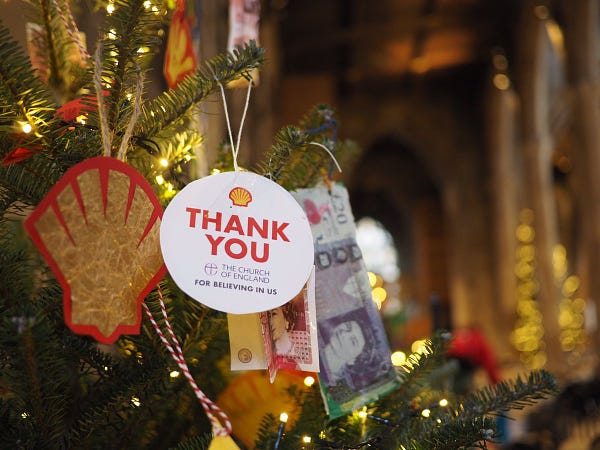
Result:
[
  {"x": 294, "y": 161},
  {"x": 23, "y": 97},
  {"x": 129, "y": 31},
  {"x": 512, "y": 394},
  {"x": 170, "y": 106}
]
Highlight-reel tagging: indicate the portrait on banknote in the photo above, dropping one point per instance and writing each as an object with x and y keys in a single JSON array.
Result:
[
  {"x": 290, "y": 333},
  {"x": 354, "y": 354},
  {"x": 351, "y": 357}
]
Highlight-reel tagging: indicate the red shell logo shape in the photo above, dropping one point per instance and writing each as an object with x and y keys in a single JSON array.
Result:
[
  {"x": 240, "y": 196},
  {"x": 98, "y": 229}
]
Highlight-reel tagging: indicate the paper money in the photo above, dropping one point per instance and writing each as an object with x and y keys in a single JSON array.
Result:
[
  {"x": 355, "y": 358},
  {"x": 290, "y": 333},
  {"x": 281, "y": 338}
]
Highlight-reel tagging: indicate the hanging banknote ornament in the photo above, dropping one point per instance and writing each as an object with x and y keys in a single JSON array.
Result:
[
  {"x": 237, "y": 242},
  {"x": 244, "y": 19},
  {"x": 98, "y": 229},
  {"x": 354, "y": 354}
]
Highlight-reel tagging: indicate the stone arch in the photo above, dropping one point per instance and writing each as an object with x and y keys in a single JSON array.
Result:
[{"x": 396, "y": 188}]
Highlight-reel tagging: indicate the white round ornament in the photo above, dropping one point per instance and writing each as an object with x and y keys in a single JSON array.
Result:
[{"x": 237, "y": 242}]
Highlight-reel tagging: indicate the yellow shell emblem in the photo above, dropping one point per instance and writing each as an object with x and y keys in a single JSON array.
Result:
[{"x": 240, "y": 196}]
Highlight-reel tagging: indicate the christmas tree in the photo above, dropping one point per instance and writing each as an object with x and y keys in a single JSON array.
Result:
[{"x": 59, "y": 389}]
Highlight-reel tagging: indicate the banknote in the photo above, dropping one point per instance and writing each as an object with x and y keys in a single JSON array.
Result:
[
  {"x": 281, "y": 338},
  {"x": 290, "y": 333},
  {"x": 354, "y": 353}
]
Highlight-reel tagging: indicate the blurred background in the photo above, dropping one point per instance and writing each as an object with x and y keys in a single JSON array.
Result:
[{"x": 477, "y": 186}]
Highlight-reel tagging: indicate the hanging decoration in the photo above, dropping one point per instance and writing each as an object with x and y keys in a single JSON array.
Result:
[
  {"x": 180, "y": 57},
  {"x": 281, "y": 338},
  {"x": 354, "y": 354},
  {"x": 98, "y": 230},
  {"x": 227, "y": 247},
  {"x": 244, "y": 19}
]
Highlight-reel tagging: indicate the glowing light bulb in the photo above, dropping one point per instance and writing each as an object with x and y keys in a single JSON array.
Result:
[
  {"x": 174, "y": 374},
  {"x": 26, "y": 128},
  {"x": 372, "y": 278},
  {"x": 306, "y": 439},
  {"x": 159, "y": 179},
  {"x": 443, "y": 402},
  {"x": 398, "y": 358},
  {"x": 426, "y": 412},
  {"x": 363, "y": 413},
  {"x": 164, "y": 162},
  {"x": 110, "y": 8},
  {"x": 283, "y": 417},
  {"x": 135, "y": 401},
  {"x": 309, "y": 381}
]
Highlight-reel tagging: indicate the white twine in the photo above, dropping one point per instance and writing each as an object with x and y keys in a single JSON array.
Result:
[
  {"x": 235, "y": 148},
  {"x": 318, "y": 144}
]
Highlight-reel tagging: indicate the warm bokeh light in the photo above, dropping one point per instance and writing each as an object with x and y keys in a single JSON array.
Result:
[
  {"x": 501, "y": 81},
  {"x": 426, "y": 412},
  {"x": 174, "y": 374},
  {"x": 309, "y": 381},
  {"x": 283, "y": 417},
  {"x": 398, "y": 358},
  {"x": 443, "y": 402},
  {"x": 372, "y": 278},
  {"x": 26, "y": 127},
  {"x": 159, "y": 179},
  {"x": 306, "y": 439},
  {"x": 164, "y": 162},
  {"x": 419, "y": 346}
]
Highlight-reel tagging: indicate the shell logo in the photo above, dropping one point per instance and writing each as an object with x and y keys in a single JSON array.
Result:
[{"x": 240, "y": 196}]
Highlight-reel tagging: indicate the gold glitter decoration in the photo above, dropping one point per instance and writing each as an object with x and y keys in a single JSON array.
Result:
[{"x": 99, "y": 230}]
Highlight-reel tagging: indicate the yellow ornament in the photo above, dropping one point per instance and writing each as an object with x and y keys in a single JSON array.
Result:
[{"x": 223, "y": 443}]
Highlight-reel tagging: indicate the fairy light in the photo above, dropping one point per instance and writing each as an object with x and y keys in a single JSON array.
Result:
[
  {"x": 309, "y": 381},
  {"x": 379, "y": 295},
  {"x": 306, "y": 439},
  {"x": 174, "y": 374},
  {"x": 26, "y": 127},
  {"x": 112, "y": 34},
  {"x": 426, "y": 413},
  {"x": 419, "y": 346},
  {"x": 571, "y": 319},
  {"x": 443, "y": 402},
  {"x": 110, "y": 8},
  {"x": 147, "y": 4},
  {"x": 135, "y": 401},
  {"x": 398, "y": 358},
  {"x": 527, "y": 335},
  {"x": 372, "y": 278},
  {"x": 283, "y": 418},
  {"x": 363, "y": 413},
  {"x": 24, "y": 415},
  {"x": 164, "y": 162}
]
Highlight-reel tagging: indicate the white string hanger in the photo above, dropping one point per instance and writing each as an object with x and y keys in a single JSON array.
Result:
[{"x": 235, "y": 148}]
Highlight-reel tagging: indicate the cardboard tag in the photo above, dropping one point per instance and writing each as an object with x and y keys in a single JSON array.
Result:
[{"x": 237, "y": 242}]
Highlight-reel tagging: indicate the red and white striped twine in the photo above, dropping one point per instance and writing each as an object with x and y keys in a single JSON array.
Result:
[
  {"x": 71, "y": 27},
  {"x": 220, "y": 428}
]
